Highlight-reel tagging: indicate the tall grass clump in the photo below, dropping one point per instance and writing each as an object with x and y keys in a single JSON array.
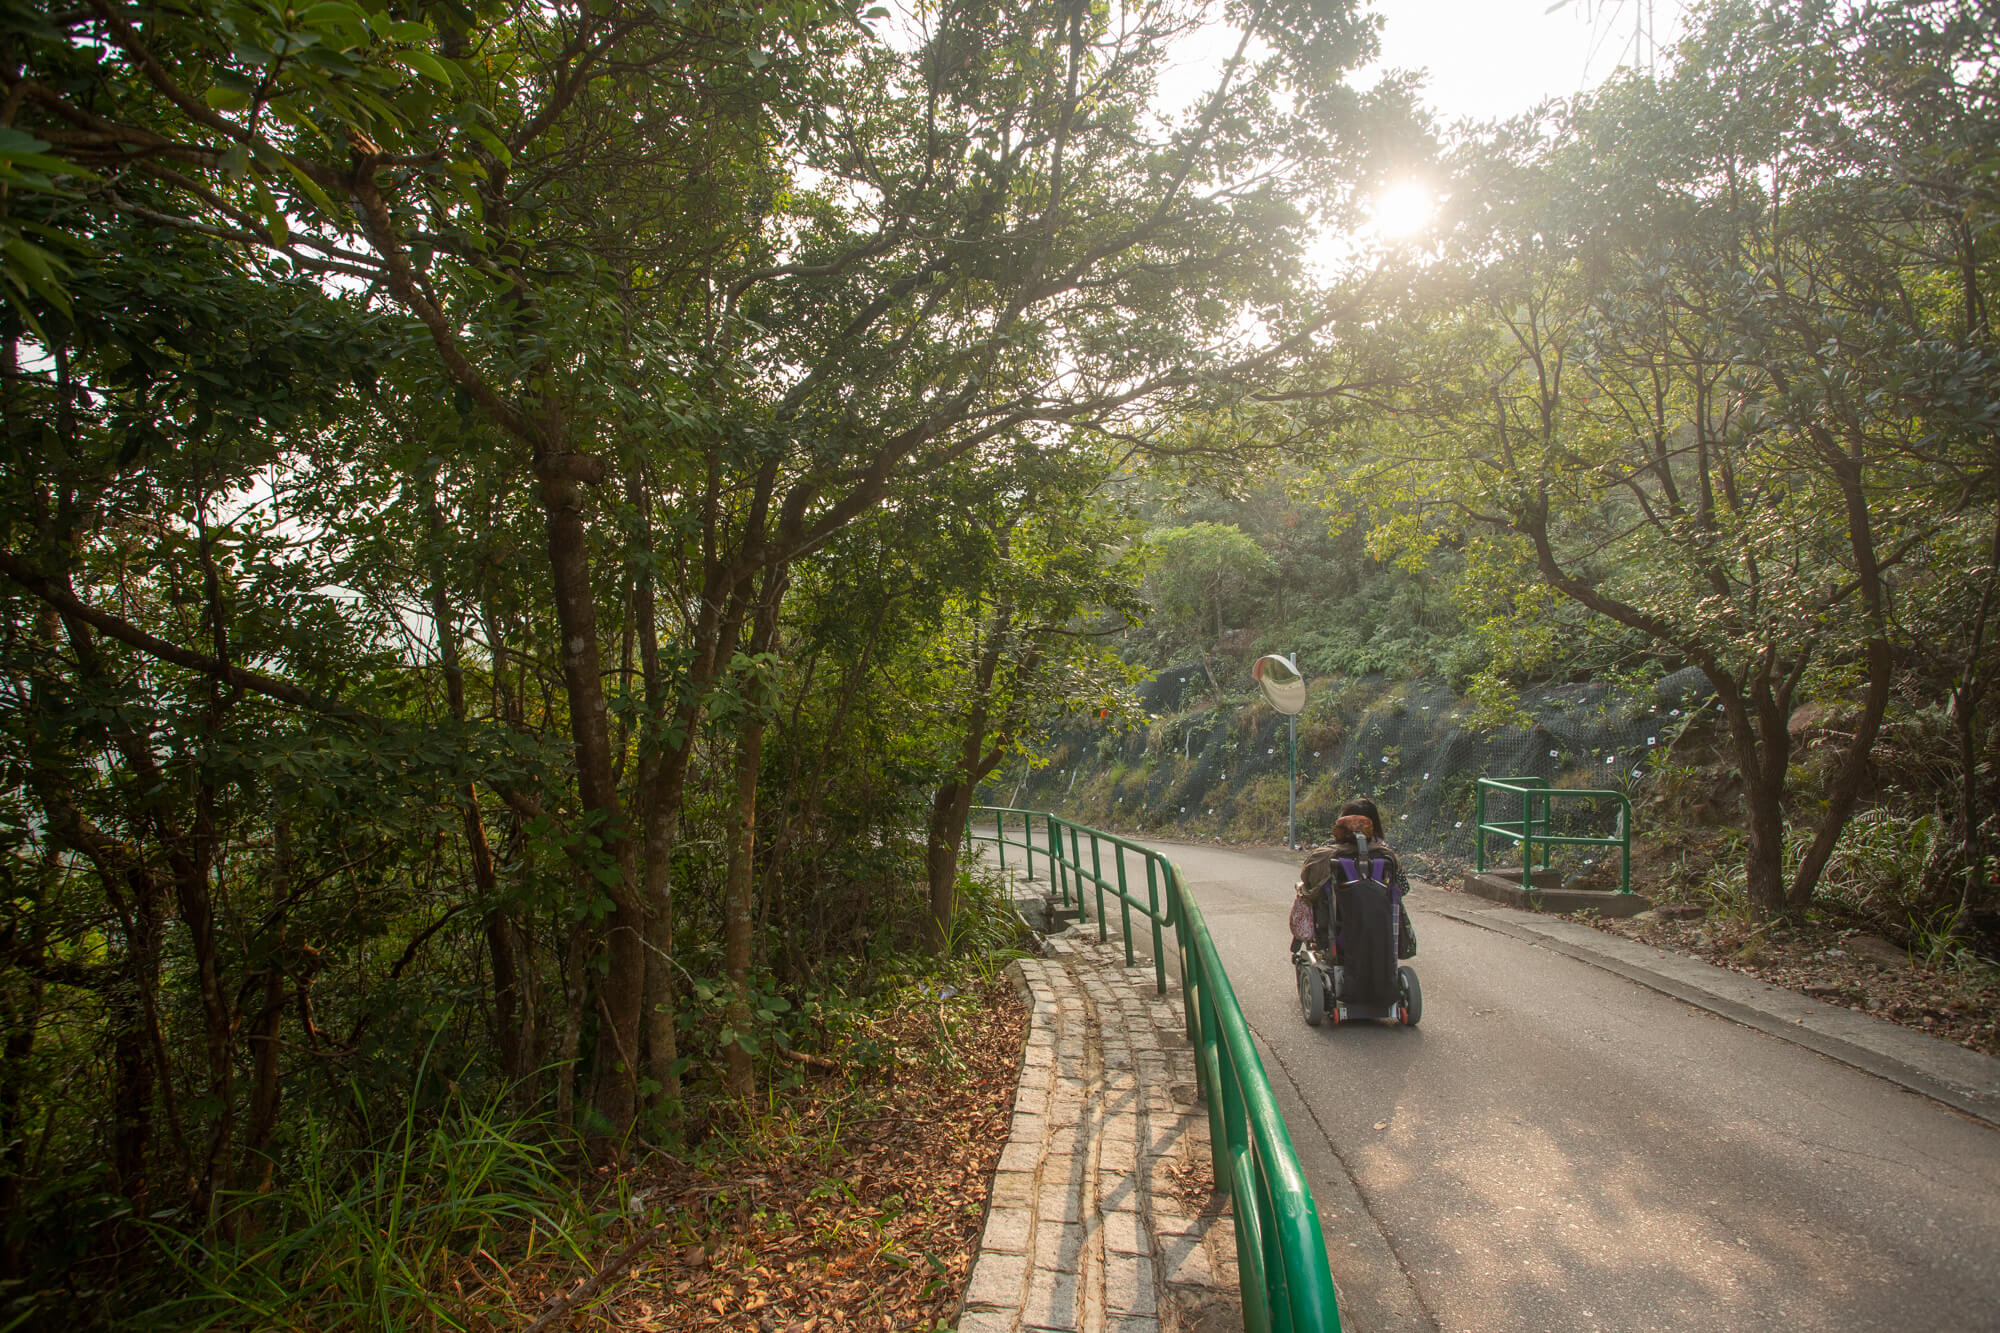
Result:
[
  {"x": 985, "y": 933},
  {"x": 373, "y": 1238},
  {"x": 1877, "y": 868}
]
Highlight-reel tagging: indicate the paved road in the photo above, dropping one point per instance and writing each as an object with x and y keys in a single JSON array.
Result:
[{"x": 1558, "y": 1148}]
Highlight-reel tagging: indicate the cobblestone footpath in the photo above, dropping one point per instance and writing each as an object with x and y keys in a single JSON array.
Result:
[{"x": 1097, "y": 1222}]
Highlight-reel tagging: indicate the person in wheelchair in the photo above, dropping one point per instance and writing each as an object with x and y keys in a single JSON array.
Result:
[{"x": 1359, "y": 819}]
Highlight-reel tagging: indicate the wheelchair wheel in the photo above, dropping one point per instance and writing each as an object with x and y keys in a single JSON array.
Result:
[
  {"x": 1312, "y": 994},
  {"x": 1413, "y": 997}
]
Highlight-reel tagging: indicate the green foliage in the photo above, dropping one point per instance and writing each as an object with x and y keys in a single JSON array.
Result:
[
  {"x": 464, "y": 520},
  {"x": 368, "y": 1239},
  {"x": 508, "y": 511},
  {"x": 1199, "y": 573},
  {"x": 1877, "y": 870},
  {"x": 986, "y": 934},
  {"x": 1701, "y": 381}
]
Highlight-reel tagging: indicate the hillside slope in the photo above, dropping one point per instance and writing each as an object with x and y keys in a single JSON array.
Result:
[{"x": 1199, "y": 769}]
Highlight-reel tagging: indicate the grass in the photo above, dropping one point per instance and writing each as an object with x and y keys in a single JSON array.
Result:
[{"x": 371, "y": 1239}]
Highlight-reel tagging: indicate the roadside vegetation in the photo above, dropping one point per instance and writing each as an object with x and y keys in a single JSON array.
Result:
[{"x": 524, "y": 528}]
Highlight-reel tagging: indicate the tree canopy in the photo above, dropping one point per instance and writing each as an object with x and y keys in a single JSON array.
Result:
[{"x": 513, "y": 514}]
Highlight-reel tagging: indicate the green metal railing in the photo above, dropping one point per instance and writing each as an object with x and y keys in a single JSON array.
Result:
[
  {"x": 1536, "y": 826},
  {"x": 1280, "y": 1256}
]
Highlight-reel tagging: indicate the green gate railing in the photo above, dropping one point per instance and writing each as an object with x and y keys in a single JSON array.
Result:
[
  {"x": 1280, "y": 1256},
  {"x": 1535, "y": 828}
]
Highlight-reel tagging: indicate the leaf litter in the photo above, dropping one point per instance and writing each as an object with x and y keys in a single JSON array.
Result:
[
  {"x": 1840, "y": 966},
  {"x": 856, "y": 1204}
]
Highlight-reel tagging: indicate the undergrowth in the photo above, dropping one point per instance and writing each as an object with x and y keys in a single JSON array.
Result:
[
  {"x": 466, "y": 1214},
  {"x": 369, "y": 1239}
]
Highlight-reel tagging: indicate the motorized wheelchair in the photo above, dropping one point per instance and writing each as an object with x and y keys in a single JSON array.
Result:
[{"x": 1347, "y": 967}]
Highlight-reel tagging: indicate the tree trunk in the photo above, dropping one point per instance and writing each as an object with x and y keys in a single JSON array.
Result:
[
  {"x": 943, "y": 838},
  {"x": 659, "y": 807},
  {"x": 576, "y": 984},
  {"x": 506, "y": 941},
  {"x": 139, "y": 1053},
  {"x": 1764, "y": 871},
  {"x": 514, "y": 1036},
  {"x": 21, "y": 1013},
  {"x": 1214, "y": 686},
  {"x": 253, "y": 1171},
  {"x": 722, "y": 605},
  {"x": 621, "y": 990},
  {"x": 132, "y": 1090},
  {"x": 1853, "y": 775},
  {"x": 739, "y": 908},
  {"x": 1968, "y": 695},
  {"x": 953, "y": 801},
  {"x": 1763, "y": 753}
]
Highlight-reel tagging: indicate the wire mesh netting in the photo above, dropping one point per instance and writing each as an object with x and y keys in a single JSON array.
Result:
[{"x": 1219, "y": 769}]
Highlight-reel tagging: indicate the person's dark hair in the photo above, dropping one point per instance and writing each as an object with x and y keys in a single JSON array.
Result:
[{"x": 1363, "y": 806}]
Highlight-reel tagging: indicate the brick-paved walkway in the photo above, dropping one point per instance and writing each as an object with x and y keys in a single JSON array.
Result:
[{"x": 1087, "y": 1229}]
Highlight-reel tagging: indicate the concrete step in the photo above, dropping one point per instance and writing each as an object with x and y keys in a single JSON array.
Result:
[{"x": 1505, "y": 887}]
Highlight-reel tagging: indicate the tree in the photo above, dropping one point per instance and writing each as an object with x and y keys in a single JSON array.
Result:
[
  {"x": 153, "y": 777},
  {"x": 597, "y": 217},
  {"x": 1714, "y": 392},
  {"x": 1035, "y": 588},
  {"x": 1198, "y": 573}
]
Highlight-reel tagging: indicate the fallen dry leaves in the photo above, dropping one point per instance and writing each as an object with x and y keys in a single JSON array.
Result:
[
  {"x": 857, "y": 1207},
  {"x": 1838, "y": 966},
  {"x": 1192, "y": 1184}
]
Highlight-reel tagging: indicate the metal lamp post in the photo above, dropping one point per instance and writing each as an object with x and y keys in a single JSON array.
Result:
[{"x": 1285, "y": 686}]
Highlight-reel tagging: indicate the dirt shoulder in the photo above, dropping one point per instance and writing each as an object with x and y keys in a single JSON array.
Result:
[{"x": 1837, "y": 965}]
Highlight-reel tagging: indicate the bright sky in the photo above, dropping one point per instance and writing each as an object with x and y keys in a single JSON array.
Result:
[{"x": 1491, "y": 58}]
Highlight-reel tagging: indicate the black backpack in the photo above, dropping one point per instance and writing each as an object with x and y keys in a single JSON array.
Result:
[{"x": 1360, "y": 927}]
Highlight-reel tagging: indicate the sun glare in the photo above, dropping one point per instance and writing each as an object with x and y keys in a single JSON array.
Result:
[{"x": 1403, "y": 210}]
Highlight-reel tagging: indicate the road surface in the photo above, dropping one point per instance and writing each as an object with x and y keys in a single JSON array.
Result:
[{"x": 1558, "y": 1148}]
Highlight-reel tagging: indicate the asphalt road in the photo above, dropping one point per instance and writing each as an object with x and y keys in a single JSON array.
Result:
[{"x": 1559, "y": 1148}]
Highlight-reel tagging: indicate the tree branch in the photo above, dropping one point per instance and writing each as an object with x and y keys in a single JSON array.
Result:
[{"x": 131, "y": 635}]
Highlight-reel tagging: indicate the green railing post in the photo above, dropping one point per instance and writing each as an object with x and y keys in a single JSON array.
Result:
[
  {"x": 1479, "y": 828},
  {"x": 1153, "y": 913},
  {"x": 1527, "y": 840},
  {"x": 1103, "y": 923},
  {"x": 1548, "y": 825},
  {"x": 1058, "y": 877},
  {"x": 1124, "y": 901},
  {"x": 1076, "y": 873},
  {"x": 1625, "y": 845}
]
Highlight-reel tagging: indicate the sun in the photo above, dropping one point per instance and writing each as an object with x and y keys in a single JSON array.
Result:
[{"x": 1404, "y": 209}]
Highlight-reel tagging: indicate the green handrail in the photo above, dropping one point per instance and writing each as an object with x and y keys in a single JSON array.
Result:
[
  {"x": 1538, "y": 799},
  {"x": 1280, "y": 1255}
]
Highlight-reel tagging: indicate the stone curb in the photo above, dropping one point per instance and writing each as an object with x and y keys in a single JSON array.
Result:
[
  {"x": 1964, "y": 1080},
  {"x": 1084, "y": 1232}
]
